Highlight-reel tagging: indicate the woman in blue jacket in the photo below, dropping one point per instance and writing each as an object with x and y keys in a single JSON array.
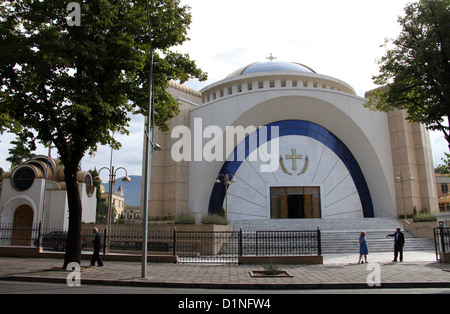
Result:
[{"x": 363, "y": 249}]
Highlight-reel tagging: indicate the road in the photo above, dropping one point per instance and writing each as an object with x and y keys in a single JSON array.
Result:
[{"x": 7, "y": 287}]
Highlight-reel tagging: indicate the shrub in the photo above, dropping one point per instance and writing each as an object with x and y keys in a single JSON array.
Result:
[
  {"x": 424, "y": 217},
  {"x": 185, "y": 219},
  {"x": 271, "y": 268},
  {"x": 214, "y": 220}
]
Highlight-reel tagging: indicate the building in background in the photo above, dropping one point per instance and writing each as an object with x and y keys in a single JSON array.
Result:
[
  {"x": 132, "y": 213},
  {"x": 336, "y": 158},
  {"x": 118, "y": 201},
  {"x": 442, "y": 185},
  {"x": 36, "y": 191}
]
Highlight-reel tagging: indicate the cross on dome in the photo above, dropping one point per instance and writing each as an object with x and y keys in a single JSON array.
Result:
[{"x": 271, "y": 57}]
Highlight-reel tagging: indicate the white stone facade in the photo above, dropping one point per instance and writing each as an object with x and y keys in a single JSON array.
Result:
[
  {"x": 40, "y": 193},
  {"x": 261, "y": 98}
]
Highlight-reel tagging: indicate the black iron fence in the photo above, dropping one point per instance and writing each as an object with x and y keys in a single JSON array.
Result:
[
  {"x": 18, "y": 235},
  {"x": 206, "y": 246},
  {"x": 441, "y": 241},
  {"x": 299, "y": 242},
  {"x": 189, "y": 246},
  {"x": 36, "y": 235}
]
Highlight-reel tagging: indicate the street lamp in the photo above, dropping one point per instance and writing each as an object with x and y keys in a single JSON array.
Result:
[
  {"x": 150, "y": 147},
  {"x": 401, "y": 178},
  {"x": 112, "y": 181},
  {"x": 226, "y": 182}
]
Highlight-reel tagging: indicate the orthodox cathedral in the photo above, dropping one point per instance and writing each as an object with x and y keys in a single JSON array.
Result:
[{"x": 276, "y": 140}]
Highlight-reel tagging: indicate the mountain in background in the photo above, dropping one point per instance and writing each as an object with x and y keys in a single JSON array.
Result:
[{"x": 131, "y": 190}]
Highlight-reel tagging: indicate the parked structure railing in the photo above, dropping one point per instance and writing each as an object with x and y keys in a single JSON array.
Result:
[
  {"x": 441, "y": 241},
  {"x": 189, "y": 246}
]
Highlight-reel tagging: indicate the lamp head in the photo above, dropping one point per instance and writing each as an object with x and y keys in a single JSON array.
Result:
[
  {"x": 156, "y": 147},
  {"x": 126, "y": 179}
]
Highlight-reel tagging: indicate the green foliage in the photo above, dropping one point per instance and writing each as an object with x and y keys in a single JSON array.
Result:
[
  {"x": 271, "y": 268},
  {"x": 214, "y": 220},
  {"x": 185, "y": 219},
  {"x": 444, "y": 168},
  {"x": 424, "y": 217},
  {"x": 415, "y": 71},
  {"x": 22, "y": 151},
  {"x": 76, "y": 85}
]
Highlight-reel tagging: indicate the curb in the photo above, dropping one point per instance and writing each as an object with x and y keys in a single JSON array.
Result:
[{"x": 310, "y": 286}]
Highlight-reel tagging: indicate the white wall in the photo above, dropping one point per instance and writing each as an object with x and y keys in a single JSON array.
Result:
[
  {"x": 249, "y": 197},
  {"x": 364, "y": 132}
]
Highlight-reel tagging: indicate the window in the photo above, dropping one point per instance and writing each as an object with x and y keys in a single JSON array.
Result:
[
  {"x": 89, "y": 185},
  {"x": 23, "y": 178}
]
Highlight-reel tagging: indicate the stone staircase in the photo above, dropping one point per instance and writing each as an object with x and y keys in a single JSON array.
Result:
[
  {"x": 340, "y": 236},
  {"x": 337, "y": 242}
]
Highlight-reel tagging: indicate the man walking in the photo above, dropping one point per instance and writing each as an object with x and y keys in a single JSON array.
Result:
[
  {"x": 399, "y": 242},
  {"x": 97, "y": 247}
]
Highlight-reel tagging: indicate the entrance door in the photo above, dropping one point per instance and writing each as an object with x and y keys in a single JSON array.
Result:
[
  {"x": 22, "y": 226},
  {"x": 295, "y": 202},
  {"x": 296, "y": 207}
]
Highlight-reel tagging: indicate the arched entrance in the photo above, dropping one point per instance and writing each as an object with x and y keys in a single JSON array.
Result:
[
  {"x": 22, "y": 225},
  {"x": 319, "y": 134}
]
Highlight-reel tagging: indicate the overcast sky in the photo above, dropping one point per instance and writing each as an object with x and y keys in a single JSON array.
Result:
[{"x": 341, "y": 39}]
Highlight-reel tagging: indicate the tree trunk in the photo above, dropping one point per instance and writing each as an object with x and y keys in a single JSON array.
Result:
[
  {"x": 447, "y": 134},
  {"x": 73, "y": 244}
]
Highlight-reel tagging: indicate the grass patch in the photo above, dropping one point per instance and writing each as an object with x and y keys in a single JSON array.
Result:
[{"x": 271, "y": 268}]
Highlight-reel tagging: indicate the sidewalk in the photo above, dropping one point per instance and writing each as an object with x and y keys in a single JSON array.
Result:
[{"x": 419, "y": 270}]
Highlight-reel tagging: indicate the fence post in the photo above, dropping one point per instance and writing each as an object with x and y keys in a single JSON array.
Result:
[
  {"x": 240, "y": 241},
  {"x": 441, "y": 232},
  {"x": 40, "y": 234},
  {"x": 105, "y": 236},
  {"x": 175, "y": 241},
  {"x": 319, "y": 242},
  {"x": 256, "y": 234},
  {"x": 436, "y": 243}
]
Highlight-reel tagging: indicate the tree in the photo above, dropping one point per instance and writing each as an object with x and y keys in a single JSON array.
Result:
[
  {"x": 72, "y": 75},
  {"x": 415, "y": 72},
  {"x": 22, "y": 151},
  {"x": 445, "y": 168}
]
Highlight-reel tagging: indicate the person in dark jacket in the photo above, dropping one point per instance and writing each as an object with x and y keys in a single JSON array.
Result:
[
  {"x": 399, "y": 242},
  {"x": 97, "y": 247}
]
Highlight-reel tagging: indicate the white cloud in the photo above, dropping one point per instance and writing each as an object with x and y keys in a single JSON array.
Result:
[{"x": 336, "y": 38}]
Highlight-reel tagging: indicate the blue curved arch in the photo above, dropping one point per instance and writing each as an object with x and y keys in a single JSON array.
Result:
[{"x": 303, "y": 128}]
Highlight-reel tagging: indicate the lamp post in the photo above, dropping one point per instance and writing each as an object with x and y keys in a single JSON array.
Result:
[
  {"x": 150, "y": 147},
  {"x": 226, "y": 182},
  {"x": 112, "y": 181},
  {"x": 401, "y": 178}
]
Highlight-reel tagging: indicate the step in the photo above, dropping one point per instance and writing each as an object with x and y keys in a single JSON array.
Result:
[
  {"x": 341, "y": 235},
  {"x": 347, "y": 242},
  {"x": 325, "y": 224}
]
